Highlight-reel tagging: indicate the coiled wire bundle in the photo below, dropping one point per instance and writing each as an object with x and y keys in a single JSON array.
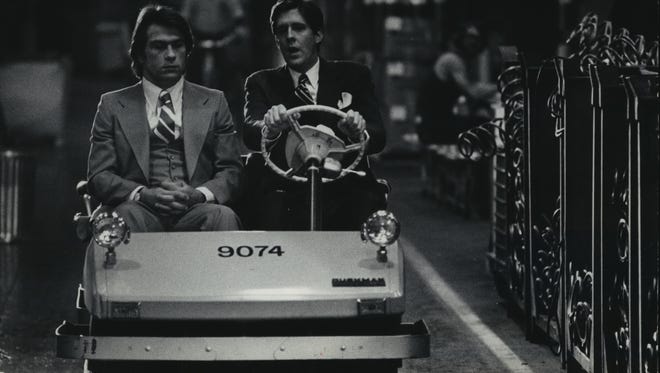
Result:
[
  {"x": 490, "y": 138},
  {"x": 596, "y": 43}
]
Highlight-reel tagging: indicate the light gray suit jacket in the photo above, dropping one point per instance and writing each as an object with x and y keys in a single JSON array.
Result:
[{"x": 119, "y": 154}]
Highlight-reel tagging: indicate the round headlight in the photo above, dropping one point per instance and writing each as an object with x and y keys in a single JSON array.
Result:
[
  {"x": 109, "y": 229},
  {"x": 381, "y": 228}
]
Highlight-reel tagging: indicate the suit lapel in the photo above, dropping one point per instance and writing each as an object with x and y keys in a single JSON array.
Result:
[
  {"x": 286, "y": 87},
  {"x": 134, "y": 123},
  {"x": 196, "y": 120},
  {"x": 328, "y": 93}
]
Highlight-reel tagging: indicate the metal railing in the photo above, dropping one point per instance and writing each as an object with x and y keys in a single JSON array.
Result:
[{"x": 581, "y": 162}]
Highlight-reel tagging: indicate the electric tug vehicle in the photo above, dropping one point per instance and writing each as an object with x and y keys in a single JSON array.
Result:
[{"x": 247, "y": 301}]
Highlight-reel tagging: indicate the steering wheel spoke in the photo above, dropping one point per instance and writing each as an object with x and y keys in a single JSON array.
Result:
[
  {"x": 346, "y": 149},
  {"x": 295, "y": 125}
]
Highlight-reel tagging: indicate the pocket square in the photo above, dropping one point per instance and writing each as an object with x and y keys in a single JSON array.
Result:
[{"x": 345, "y": 101}]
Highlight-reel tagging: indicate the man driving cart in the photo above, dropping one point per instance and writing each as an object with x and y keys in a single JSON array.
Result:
[
  {"x": 244, "y": 300},
  {"x": 308, "y": 79}
]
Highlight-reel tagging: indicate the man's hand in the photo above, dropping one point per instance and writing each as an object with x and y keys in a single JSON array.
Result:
[
  {"x": 193, "y": 196},
  {"x": 171, "y": 198},
  {"x": 277, "y": 120},
  {"x": 353, "y": 125},
  {"x": 165, "y": 201}
]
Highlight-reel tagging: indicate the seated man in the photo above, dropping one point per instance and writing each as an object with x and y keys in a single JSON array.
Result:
[
  {"x": 164, "y": 151},
  {"x": 308, "y": 79}
]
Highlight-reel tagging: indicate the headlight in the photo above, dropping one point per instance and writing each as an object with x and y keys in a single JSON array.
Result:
[
  {"x": 381, "y": 228},
  {"x": 109, "y": 230}
]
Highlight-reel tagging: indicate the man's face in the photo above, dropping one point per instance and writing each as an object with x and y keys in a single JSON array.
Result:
[
  {"x": 164, "y": 60},
  {"x": 296, "y": 41}
]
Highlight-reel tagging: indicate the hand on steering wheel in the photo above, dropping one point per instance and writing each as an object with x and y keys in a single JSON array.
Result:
[
  {"x": 277, "y": 120},
  {"x": 353, "y": 125},
  {"x": 309, "y": 143}
]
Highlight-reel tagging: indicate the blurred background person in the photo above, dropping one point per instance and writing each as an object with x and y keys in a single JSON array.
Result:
[
  {"x": 452, "y": 100},
  {"x": 221, "y": 35}
]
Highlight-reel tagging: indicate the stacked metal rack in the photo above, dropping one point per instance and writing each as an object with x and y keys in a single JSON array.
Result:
[
  {"x": 502, "y": 139},
  {"x": 582, "y": 204},
  {"x": 407, "y": 53}
]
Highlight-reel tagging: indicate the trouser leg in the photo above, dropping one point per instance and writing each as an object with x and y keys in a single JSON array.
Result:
[
  {"x": 139, "y": 218},
  {"x": 208, "y": 217}
]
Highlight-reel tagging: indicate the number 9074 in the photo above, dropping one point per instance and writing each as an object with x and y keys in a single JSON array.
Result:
[{"x": 245, "y": 251}]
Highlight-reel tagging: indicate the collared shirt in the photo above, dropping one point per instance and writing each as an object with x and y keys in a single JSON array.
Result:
[
  {"x": 151, "y": 93},
  {"x": 313, "y": 75}
]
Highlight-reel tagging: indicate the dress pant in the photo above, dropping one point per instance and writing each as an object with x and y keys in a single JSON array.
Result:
[
  {"x": 200, "y": 217},
  {"x": 344, "y": 204}
]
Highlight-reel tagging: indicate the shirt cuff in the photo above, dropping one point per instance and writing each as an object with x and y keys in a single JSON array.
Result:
[
  {"x": 207, "y": 194},
  {"x": 131, "y": 197}
]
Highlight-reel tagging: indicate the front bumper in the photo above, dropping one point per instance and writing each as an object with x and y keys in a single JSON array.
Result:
[{"x": 409, "y": 340}]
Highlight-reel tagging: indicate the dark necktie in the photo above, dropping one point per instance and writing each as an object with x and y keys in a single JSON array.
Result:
[
  {"x": 302, "y": 92},
  {"x": 166, "y": 129}
]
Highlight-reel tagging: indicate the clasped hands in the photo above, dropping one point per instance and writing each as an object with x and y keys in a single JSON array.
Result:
[
  {"x": 171, "y": 197},
  {"x": 277, "y": 120}
]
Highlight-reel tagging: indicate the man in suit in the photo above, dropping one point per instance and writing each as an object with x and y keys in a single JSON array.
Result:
[
  {"x": 164, "y": 151},
  {"x": 308, "y": 79}
]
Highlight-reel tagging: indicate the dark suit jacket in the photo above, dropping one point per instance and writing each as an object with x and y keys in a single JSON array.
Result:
[
  {"x": 119, "y": 153},
  {"x": 266, "y": 88},
  {"x": 347, "y": 201}
]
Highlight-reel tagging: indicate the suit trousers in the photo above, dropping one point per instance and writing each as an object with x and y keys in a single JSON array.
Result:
[
  {"x": 344, "y": 205},
  {"x": 200, "y": 217}
]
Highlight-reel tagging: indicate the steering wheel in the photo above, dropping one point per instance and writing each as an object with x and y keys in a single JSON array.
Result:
[{"x": 305, "y": 143}]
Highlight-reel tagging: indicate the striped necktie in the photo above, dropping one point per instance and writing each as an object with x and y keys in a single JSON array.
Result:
[
  {"x": 166, "y": 129},
  {"x": 302, "y": 92}
]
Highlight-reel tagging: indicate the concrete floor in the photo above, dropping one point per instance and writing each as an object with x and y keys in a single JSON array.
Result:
[{"x": 447, "y": 282}]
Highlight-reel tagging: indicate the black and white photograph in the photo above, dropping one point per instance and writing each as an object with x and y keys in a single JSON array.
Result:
[{"x": 329, "y": 186}]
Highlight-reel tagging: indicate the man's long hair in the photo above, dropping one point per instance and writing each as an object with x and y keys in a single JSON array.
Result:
[{"x": 159, "y": 15}]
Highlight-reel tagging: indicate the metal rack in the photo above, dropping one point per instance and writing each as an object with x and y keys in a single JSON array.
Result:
[{"x": 580, "y": 254}]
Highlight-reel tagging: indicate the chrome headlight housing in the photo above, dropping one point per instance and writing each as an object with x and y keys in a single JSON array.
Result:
[
  {"x": 381, "y": 228},
  {"x": 109, "y": 230}
]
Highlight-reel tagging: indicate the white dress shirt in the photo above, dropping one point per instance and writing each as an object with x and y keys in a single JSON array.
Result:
[
  {"x": 151, "y": 93},
  {"x": 313, "y": 75}
]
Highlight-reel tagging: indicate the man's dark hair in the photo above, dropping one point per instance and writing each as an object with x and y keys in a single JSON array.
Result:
[
  {"x": 465, "y": 31},
  {"x": 156, "y": 15},
  {"x": 310, "y": 12}
]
